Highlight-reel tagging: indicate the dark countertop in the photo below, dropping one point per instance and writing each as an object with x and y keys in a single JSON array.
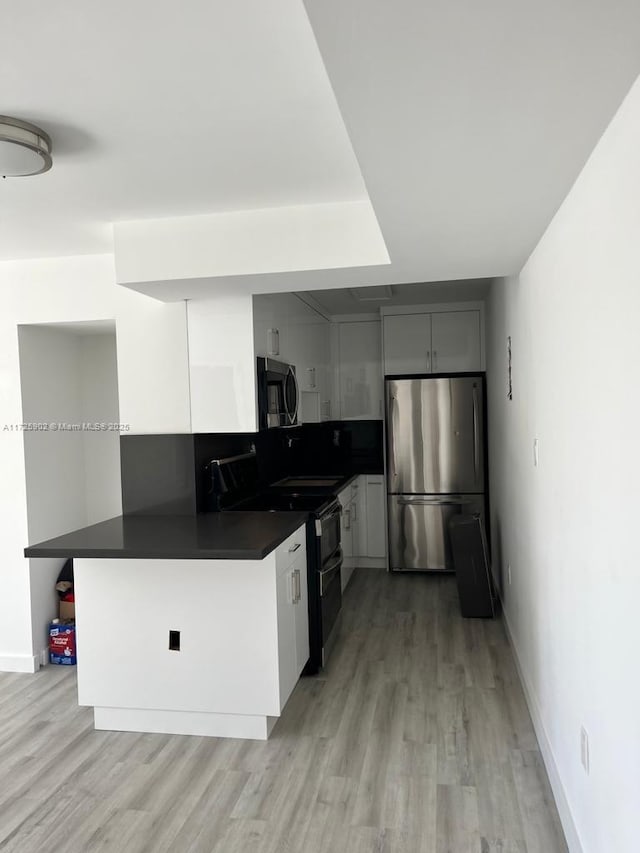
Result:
[{"x": 207, "y": 536}]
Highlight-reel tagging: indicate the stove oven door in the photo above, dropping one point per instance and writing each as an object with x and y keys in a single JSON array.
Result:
[{"x": 328, "y": 529}]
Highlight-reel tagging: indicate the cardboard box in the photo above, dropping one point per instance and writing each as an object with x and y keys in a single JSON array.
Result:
[
  {"x": 67, "y": 610},
  {"x": 62, "y": 643}
]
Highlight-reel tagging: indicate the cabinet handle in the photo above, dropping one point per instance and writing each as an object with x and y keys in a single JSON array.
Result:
[
  {"x": 295, "y": 586},
  {"x": 294, "y": 548},
  {"x": 476, "y": 447},
  {"x": 347, "y": 519},
  {"x": 435, "y": 361},
  {"x": 355, "y": 512},
  {"x": 428, "y": 362}
]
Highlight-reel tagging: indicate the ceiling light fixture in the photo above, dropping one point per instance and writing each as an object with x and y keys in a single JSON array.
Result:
[{"x": 24, "y": 148}]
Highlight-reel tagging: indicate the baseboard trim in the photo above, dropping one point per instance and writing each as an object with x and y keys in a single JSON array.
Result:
[
  {"x": 19, "y": 663},
  {"x": 251, "y": 727},
  {"x": 369, "y": 562},
  {"x": 562, "y": 804}
]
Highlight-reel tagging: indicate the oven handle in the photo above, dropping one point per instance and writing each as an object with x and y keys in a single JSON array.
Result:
[
  {"x": 327, "y": 516},
  {"x": 326, "y": 575}
]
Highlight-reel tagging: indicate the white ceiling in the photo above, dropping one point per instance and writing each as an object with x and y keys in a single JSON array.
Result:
[
  {"x": 342, "y": 301},
  {"x": 469, "y": 121},
  {"x": 158, "y": 108}
]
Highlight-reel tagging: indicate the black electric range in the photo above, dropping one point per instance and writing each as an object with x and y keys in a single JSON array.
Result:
[
  {"x": 268, "y": 501},
  {"x": 234, "y": 487}
]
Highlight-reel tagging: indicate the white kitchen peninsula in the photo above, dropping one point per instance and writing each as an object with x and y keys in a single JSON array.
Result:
[{"x": 199, "y": 644}]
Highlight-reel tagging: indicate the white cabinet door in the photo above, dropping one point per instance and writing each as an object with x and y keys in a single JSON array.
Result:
[
  {"x": 376, "y": 516},
  {"x": 345, "y": 498},
  {"x": 287, "y": 659},
  {"x": 346, "y": 531},
  {"x": 455, "y": 342},
  {"x": 302, "y": 336},
  {"x": 350, "y": 537},
  {"x": 270, "y": 313},
  {"x": 359, "y": 517},
  {"x": 301, "y": 614},
  {"x": 153, "y": 380},
  {"x": 407, "y": 343},
  {"x": 360, "y": 370},
  {"x": 312, "y": 369},
  {"x": 222, "y": 366}
]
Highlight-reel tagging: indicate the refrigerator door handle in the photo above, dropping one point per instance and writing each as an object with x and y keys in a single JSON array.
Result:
[
  {"x": 476, "y": 450},
  {"x": 448, "y": 501},
  {"x": 394, "y": 473}
]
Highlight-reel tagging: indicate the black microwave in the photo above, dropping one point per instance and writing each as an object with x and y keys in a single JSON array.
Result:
[{"x": 278, "y": 395}]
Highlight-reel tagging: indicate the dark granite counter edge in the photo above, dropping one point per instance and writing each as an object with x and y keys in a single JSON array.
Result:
[
  {"x": 50, "y": 548},
  {"x": 150, "y": 554}
]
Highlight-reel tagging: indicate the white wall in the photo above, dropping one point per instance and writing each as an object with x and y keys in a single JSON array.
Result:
[
  {"x": 99, "y": 398},
  {"x": 54, "y": 461},
  {"x": 72, "y": 477},
  {"x": 568, "y": 527},
  {"x": 248, "y": 242}
]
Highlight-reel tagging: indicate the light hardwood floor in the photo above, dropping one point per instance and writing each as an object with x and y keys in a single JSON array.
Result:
[{"x": 417, "y": 739}]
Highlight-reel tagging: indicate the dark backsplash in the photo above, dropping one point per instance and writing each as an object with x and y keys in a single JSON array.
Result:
[
  {"x": 168, "y": 474},
  {"x": 158, "y": 475},
  {"x": 337, "y": 447}
]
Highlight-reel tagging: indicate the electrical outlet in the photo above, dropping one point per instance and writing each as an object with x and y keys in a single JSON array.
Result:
[
  {"x": 509, "y": 573},
  {"x": 584, "y": 749}
]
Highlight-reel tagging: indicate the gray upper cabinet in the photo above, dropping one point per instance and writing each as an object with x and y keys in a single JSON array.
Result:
[
  {"x": 407, "y": 343},
  {"x": 437, "y": 342},
  {"x": 360, "y": 370},
  {"x": 455, "y": 342}
]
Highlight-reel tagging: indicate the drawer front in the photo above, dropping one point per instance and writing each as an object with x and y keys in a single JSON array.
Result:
[{"x": 293, "y": 548}]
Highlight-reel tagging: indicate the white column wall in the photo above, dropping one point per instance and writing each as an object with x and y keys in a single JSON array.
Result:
[
  {"x": 54, "y": 460},
  {"x": 99, "y": 398},
  {"x": 568, "y": 527},
  {"x": 55, "y": 290},
  {"x": 153, "y": 377}
]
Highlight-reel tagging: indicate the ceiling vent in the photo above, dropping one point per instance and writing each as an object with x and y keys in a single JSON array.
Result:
[{"x": 380, "y": 293}]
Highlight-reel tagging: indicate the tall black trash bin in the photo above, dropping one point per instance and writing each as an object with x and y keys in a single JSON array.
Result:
[{"x": 473, "y": 571}]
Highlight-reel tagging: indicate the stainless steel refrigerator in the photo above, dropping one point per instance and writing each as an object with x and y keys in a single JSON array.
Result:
[{"x": 435, "y": 465}]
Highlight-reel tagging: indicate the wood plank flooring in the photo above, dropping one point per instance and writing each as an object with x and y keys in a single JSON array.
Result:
[{"x": 416, "y": 739}]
